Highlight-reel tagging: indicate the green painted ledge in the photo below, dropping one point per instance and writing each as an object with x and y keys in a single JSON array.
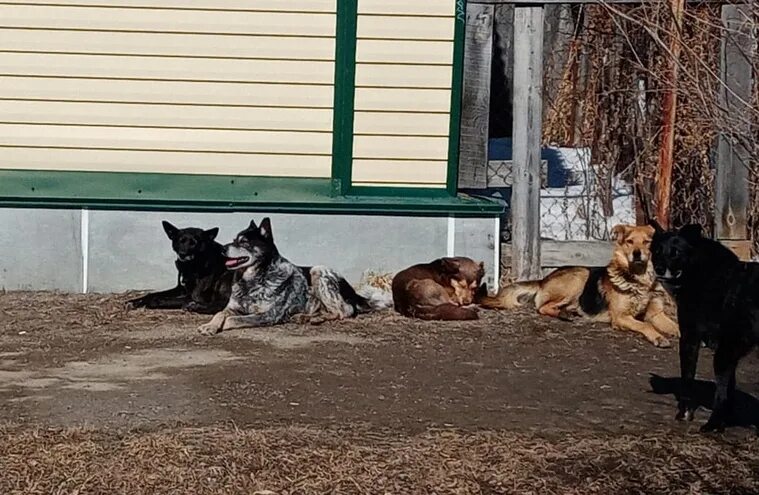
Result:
[{"x": 144, "y": 191}]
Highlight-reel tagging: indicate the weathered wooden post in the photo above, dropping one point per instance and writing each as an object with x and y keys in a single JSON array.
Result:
[
  {"x": 527, "y": 129},
  {"x": 475, "y": 108},
  {"x": 737, "y": 52}
]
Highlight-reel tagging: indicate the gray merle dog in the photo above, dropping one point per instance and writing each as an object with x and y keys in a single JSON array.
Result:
[{"x": 269, "y": 290}]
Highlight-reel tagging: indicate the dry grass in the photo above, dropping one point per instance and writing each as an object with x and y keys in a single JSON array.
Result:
[{"x": 294, "y": 460}]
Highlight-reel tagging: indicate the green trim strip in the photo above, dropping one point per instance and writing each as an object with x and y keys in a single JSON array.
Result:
[
  {"x": 459, "y": 34},
  {"x": 345, "y": 88},
  {"x": 143, "y": 191}
]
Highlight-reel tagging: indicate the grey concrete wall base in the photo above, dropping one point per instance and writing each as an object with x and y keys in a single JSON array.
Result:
[
  {"x": 116, "y": 251},
  {"x": 40, "y": 250}
]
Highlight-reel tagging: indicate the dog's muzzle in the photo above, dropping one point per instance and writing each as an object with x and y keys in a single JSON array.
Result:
[
  {"x": 236, "y": 257},
  {"x": 668, "y": 276}
]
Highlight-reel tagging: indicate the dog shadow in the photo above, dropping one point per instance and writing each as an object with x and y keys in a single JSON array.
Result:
[{"x": 745, "y": 411}]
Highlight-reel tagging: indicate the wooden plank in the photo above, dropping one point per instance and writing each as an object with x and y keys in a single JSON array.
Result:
[
  {"x": 177, "y": 21},
  {"x": 475, "y": 107},
  {"x": 244, "y": 5},
  {"x": 406, "y": 8},
  {"x": 164, "y": 162},
  {"x": 397, "y": 172},
  {"x": 127, "y": 138},
  {"x": 167, "y": 44},
  {"x": 742, "y": 248},
  {"x": 425, "y": 124},
  {"x": 174, "y": 69},
  {"x": 400, "y": 100},
  {"x": 555, "y": 254},
  {"x": 205, "y": 117},
  {"x": 406, "y": 28},
  {"x": 400, "y": 147},
  {"x": 403, "y": 76},
  {"x": 528, "y": 109},
  {"x": 405, "y": 52},
  {"x": 738, "y": 50}
]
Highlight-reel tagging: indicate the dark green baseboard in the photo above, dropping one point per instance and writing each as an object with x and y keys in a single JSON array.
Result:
[{"x": 184, "y": 192}]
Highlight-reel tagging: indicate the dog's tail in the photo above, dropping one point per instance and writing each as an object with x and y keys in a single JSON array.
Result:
[
  {"x": 443, "y": 312},
  {"x": 512, "y": 296},
  {"x": 374, "y": 298}
]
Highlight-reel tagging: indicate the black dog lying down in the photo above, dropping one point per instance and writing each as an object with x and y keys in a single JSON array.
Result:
[
  {"x": 717, "y": 299},
  {"x": 203, "y": 281},
  {"x": 269, "y": 290}
]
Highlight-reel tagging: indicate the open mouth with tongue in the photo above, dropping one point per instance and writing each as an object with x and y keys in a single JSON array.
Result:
[{"x": 233, "y": 263}]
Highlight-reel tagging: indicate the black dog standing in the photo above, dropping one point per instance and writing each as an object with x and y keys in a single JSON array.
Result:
[
  {"x": 717, "y": 299},
  {"x": 203, "y": 282}
]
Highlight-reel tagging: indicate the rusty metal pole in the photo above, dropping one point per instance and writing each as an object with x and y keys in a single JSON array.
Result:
[{"x": 669, "y": 110}]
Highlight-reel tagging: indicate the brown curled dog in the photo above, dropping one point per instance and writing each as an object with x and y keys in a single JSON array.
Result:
[
  {"x": 438, "y": 290},
  {"x": 624, "y": 293}
]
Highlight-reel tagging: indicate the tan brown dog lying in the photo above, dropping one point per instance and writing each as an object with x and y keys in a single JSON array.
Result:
[
  {"x": 624, "y": 293},
  {"x": 438, "y": 290}
]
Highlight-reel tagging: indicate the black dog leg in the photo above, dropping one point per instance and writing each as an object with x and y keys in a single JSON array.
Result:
[
  {"x": 169, "y": 299},
  {"x": 725, "y": 364},
  {"x": 204, "y": 308},
  {"x": 689, "y": 348}
]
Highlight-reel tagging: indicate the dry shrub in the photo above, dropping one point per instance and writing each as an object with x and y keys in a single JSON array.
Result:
[{"x": 609, "y": 99}]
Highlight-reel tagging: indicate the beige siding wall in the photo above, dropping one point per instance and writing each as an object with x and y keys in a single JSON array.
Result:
[
  {"x": 184, "y": 86},
  {"x": 403, "y": 79}
]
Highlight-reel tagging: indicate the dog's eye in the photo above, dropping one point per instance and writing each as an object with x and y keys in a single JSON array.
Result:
[
  {"x": 630, "y": 242},
  {"x": 646, "y": 242}
]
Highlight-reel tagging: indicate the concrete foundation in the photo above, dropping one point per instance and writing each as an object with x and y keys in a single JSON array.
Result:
[{"x": 116, "y": 251}]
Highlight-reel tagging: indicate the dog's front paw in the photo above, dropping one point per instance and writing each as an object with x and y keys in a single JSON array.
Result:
[
  {"x": 685, "y": 412},
  {"x": 661, "y": 342},
  {"x": 209, "y": 329},
  {"x": 135, "y": 303},
  {"x": 713, "y": 425},
  {"x": 191, "y": 307}
]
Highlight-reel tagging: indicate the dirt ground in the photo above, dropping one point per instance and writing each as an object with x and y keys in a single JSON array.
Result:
[{"x": 95, "y": 399}]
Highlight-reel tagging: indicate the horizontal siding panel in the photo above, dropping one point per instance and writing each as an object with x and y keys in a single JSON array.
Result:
[
  {"x": 166, "y": 162},
  {"x": 399, "y": 172},
  {"x": 269, "y": 71},
  {"x": 400, "y": 100},
  {"x": 169, "y": 92},
  {"x": 189, "y": 45},
  {"x": 406, "y": 7},
  {"x": 404, "y": 52},
  {"x": 265, "y": 5},
  {"x": 187, "y": 21},
  {"x": 429, "y": 124},
  {"x": 389, "y": 27},
  {"x": 114, "y": 114},
  {"x": 400, "y": 147},
  {"x": 165, "y": 139},
  {"x": 403, "y": 76}
]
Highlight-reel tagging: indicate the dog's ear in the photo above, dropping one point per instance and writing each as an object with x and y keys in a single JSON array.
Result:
[
  {"x": 618, "y": 232},
  {"x": 450, "y": 265},
  {"x": 657, "y": 228},
  {"x": 691, "y": 232},
  {"x": 650, "y": 230},
  {"x": 252, "y": 225},
  {"x": 265, "y": 229},
  {"x": 170, "y": 230},
  {"x": 211, "y": 233}
]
